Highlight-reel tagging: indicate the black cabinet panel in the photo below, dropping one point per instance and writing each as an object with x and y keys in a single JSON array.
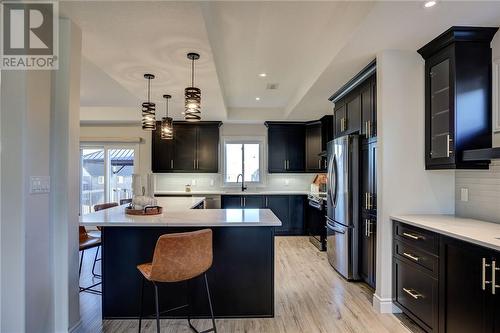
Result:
[
  {"x": 278, "y": 204},
  {"x": 253, "y": 201},
  {"x": 297, "y": 214},
  {"x": 314, "y": 162},
  {"x": 277, "y": 148},
  {"x": 231, "y": 201},
  {"x": 185, "y": 148},
  {"x": 353, "y": 113},
  {"x": 367, "y": 249},
  {"x": 340, "y": 119},
  {"x": 368, "y": 109},
  {"x": 207, "y": 149},
  {"x": 296, "y": 148},
  {"x": 195, "y": 148},
  {"x": 465, "y": 307}
]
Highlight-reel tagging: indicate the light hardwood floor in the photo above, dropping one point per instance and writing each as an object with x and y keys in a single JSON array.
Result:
[{"x": 310, "y": 297}]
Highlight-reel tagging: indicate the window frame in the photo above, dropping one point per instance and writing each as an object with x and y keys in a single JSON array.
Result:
[
  {"x": 106, "y": 146},
  {"x": 260, "y": 140}
]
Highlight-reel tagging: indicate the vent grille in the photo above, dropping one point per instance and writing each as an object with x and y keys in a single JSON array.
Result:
[{"x": 272, "y": 86}]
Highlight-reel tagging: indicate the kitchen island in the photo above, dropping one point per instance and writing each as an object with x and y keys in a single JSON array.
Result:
[{"x": 241, "y": 278}]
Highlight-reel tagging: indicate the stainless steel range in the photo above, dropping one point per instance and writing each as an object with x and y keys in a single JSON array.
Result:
[{"x": 316, "y": 220}]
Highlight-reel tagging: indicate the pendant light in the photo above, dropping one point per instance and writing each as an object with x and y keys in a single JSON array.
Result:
[
  {"x": 167, "y": 125},
  {"x": 148, "y": 108},
  {"x": 192, "y": 95}
]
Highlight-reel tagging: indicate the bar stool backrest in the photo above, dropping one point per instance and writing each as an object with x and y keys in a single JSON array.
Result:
[
  {"x": 182, "y": 256},
  {"x": 83, "y": 235}
]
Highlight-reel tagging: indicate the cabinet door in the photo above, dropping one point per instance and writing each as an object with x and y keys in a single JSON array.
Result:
[
  {"x": 354, "y": 113},
  {"x": 366, "y": 110},
  {"x": 373, "y": 129},
  {"x": 372, "y": 167},
  {"x": 314, "y": 162},
  {"x": 207, "y": 157},
  {"x": 340, "y": 118},
  {"x": 277, "y": 145},
  {"x": 367, "y": 250},
  {"x": 185, "y": 148},
  {"x": 464, "y": 307},
  {"x": 161, "y": 152},
  {"x": 297, "y": 214},
  {"x": 231, "y": 201},
  {"x": 278, "y": 204},
  {"x": 296, "y": 148},
  {"x": 253, "y": 201},
  {"x": 365, "y": 173},
  {"x": 439, "y": 110}
]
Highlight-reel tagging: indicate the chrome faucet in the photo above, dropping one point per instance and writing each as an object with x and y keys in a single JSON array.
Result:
[{"x": 243, "y": 187}]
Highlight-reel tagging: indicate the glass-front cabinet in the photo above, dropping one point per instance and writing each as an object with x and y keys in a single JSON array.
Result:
[
  {"x": 440, "y": 117},
  {"x": 457, "y": 97}
]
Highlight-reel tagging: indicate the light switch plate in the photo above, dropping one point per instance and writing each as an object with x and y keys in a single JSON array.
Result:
[
  {"x": 39, "y": 184},
  {"x": 464, "y": 194}
]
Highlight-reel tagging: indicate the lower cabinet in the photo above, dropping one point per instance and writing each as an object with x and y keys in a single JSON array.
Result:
[
  {"x": 368, "y": 249},
  {"x": 448, "y": 288},
  {"x": 290, "y": 209}
]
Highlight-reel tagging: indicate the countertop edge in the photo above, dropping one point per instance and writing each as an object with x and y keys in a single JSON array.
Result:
[{"x": 407, "y": 219}]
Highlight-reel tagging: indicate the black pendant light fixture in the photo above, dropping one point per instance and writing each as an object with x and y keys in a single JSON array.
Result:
[
  {"x": 192, "y": 95},
  {"x": 148, "y": 108},
  {"x": 167, "y": 123}
]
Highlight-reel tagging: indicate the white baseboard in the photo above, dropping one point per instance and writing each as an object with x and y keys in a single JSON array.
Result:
[
  {"x": 75, "y": 327},
  {"x": 384, "y": 305}
]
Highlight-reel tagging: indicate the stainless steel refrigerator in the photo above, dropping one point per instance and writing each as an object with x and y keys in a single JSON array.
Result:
[{"x": 342, "y": 205}]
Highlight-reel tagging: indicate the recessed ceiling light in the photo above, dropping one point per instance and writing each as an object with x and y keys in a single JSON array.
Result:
[
  {"x": 429, "y": 4},
  {"x": 262, "y": 74},
  {"x": 257, "y": 98}
]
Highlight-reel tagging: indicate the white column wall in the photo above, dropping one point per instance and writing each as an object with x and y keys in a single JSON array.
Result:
[{"x": 404, "y": 186}]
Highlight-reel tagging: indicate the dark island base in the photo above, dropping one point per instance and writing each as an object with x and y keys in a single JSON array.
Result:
[{"x": 241, "y": 278}]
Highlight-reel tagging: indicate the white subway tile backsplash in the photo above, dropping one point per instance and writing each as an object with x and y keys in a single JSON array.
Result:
[{"x": 484, "y": 193}]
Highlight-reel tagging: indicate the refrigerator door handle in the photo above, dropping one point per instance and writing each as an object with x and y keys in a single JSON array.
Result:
[{"x": 335, "y": 181}]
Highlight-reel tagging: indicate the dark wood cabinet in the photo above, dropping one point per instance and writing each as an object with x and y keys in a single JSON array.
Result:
[
  {"x": 368, "y": 94},
  {"x": 367, "y": 249},
  {"x": 355, "y": 105},
  {"x": 457, "y": 97},
  {"x": 297, "y": 213},
  {"x": 279, "y": 205},
  {"x": 242, "y": 201},
  {"x": 195, "y": 148},
  {"x": 443, "y": 283},
  {"x": 318, "y": 134},
  {"x": 465, "y": 303},
  {"x": 286, "y": 147},
  {"x": 231, "y": 201}
]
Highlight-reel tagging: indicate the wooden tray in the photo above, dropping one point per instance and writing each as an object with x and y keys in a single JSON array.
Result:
[{"x": 149, "y": 210}]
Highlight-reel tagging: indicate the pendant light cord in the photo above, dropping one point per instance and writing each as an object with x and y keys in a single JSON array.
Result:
[
  {"x": 192, "y": 72},
  {"x": 149, "y": 90},
  {"x": 167, "y": 108}
]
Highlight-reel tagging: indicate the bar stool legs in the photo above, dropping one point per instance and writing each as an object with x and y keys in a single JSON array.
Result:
[
  {"x": 157, "y": 307},
  {"x": 96, "y": 260}
]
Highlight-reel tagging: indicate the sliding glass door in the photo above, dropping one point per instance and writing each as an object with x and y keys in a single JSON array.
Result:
[{"x": 106, "y": 174}]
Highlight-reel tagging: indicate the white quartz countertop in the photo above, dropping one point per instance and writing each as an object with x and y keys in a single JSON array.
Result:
[
  {"x": 479, "y": 232},
  {"x": 231, "y": 192},
  {"x": 177, "y": 212}
]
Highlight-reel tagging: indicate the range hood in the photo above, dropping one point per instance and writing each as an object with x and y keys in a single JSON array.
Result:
[{"x": 485, "y": 154}]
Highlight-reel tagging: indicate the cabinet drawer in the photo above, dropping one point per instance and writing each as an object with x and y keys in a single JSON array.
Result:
[
  {"x": 416, "y": 237},
  {"x": 416, "y": 256},
  {"x": 416, "y": 293}
]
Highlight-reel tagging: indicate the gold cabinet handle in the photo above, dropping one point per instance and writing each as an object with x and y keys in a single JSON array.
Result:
[
  {"x": 483, "y": 274},
  {"x": 411, "y": 256},
  {"x": 369, "y": 201},
  {"x": 171, "y": 164},
  {"x": 494, "y": 284},
  {"x": 412, "y": 293},
  {"x": 319, "y": 164},
  {"x": 412, "y": 236}
]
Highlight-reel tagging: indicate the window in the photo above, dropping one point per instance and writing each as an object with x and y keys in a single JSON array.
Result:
[
  {"x": 242, "y": 157},
  {"x": 105, "y": 175}
]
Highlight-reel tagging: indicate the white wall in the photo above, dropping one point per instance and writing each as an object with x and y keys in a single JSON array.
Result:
[
  {"x": 404, "y": 186},
  {"x": 483, "y": 185},
  {"x": 33, "y": 283}
]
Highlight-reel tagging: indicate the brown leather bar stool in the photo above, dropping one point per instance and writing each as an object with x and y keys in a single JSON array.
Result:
[
  {"x": 179, "y": 257},
  {"x": 98, "y": 233},
  {"x": 87, "y": 242}
]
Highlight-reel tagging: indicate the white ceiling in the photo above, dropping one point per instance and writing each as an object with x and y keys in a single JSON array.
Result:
[{"x": 309, "y": 48}]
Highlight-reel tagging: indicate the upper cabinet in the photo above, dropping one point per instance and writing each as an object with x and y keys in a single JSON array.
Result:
[
  {"x": 286, "y": 147},
  {"x": 355, "y": 105},
  {"x": 457, "y": 97},
  {"x": 195, "y": 148},
  {"x": 318, "y": 133}
]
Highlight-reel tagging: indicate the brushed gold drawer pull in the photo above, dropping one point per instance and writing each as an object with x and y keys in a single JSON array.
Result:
[
  {"x": 412, "y": 293},
  {"x": 412, "y": 236},
  {"x": 412, "y": 257}
]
